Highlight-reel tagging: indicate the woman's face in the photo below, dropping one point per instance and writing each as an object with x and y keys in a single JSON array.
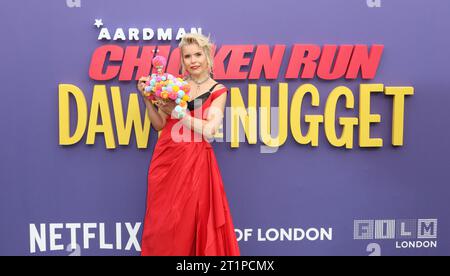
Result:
[{"x": 194, "y": 59}]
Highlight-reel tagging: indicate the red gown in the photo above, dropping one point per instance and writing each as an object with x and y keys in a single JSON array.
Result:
[{"x": 187, "y": 211}]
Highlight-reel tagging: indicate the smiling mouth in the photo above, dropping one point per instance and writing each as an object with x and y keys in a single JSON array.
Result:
[{"x": 195, "y": 67}]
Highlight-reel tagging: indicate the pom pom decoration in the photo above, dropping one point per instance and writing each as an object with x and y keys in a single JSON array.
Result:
[{"x": 166, "y": 86}]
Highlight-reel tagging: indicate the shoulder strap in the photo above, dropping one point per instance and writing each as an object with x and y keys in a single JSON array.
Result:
[
  {"x": 219, "y": 92},
  {"x": 212, "y": 88}
]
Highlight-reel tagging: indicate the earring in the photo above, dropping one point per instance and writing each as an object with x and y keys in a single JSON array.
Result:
[{"x": 185, "y": 74}]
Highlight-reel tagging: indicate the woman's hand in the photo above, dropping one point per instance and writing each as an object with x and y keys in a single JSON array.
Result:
[
  {"x": 141, "y": 85},
  {"x": 166, "y": 106}
]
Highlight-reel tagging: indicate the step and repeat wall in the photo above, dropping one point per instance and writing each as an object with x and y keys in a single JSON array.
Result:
[{"x": 334, "y": 141}]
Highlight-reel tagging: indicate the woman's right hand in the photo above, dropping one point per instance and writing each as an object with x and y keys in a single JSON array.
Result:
[{"x": 141, "y": 85}]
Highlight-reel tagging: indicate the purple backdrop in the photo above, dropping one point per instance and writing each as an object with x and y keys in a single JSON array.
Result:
[{"x": 46, "y": 43}]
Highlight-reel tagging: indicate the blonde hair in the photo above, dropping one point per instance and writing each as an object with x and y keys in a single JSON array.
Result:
[{"x": 202, "y": 41}]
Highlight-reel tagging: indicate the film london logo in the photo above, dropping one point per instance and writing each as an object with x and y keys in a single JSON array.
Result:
[
  {"x": 407, "y": 233},
  {"x": 374, "y": 3},
  {"x": 73, "y": 3}
]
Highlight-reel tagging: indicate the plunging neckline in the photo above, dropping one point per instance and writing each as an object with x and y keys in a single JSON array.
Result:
[
  {"x": 204, "y": 93},
  {"x": 200, "y": 96},
  {"x": 192, "y": 105}
]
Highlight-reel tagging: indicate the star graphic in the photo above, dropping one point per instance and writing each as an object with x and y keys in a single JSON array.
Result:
[{"x": 98, "y": 23}]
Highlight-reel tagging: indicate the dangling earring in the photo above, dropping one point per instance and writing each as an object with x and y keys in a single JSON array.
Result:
[{"x": 186, "y": 74}]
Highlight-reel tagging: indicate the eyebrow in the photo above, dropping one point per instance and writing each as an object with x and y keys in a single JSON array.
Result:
[{"x": 194, "y": 53}]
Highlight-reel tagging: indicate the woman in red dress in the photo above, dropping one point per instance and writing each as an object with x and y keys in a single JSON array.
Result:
[{"x": 187, "y": 211}]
